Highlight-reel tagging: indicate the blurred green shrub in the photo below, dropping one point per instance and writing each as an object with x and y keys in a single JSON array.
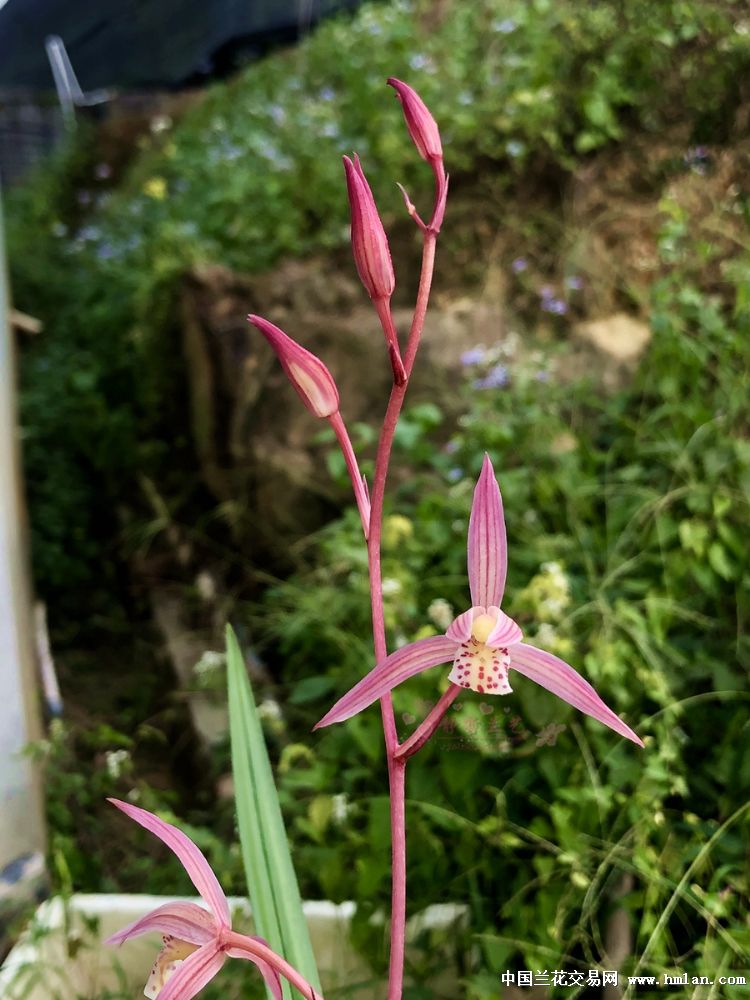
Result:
[
  {"x": 627, "y": 520},
  {"x": 254, "y": 173},
  {"x": 627, "y": 515}
]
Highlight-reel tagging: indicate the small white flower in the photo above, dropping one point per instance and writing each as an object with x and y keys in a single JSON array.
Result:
[
  {"x": 546, "y": 635},
  {"x": 269, "y": 710},
  {"x": 209, "y": 663},
  {"x": 341, "y": 807},
  {"x": 204, "y": 581},
  {"x": 160, "y": 123},
  {"x": 552, "y": 607},
  {"x": 391, "y": 586},
  {"x": 441, "y": 613},
  {"x": 115, "y": 761}
]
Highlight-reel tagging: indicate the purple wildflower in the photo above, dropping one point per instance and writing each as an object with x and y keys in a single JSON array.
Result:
[
  {"x": 473, "y": 357},
  {"x": 556, "y": 306},
  {"x": 106, "y": 251},
  {"x": 519, "y": 264},
  {"x": 89, "y": 234},
  {"x": 574, "y": 283},
  {"x": 496, "y": 378},
  {"x": 697, "y": 159}
]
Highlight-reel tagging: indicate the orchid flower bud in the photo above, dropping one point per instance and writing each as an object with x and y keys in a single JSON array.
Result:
[
  {"x": 309, "y": 376},
  {"x": 422, "y": 126},
  {"x": 369, "y": 242}
]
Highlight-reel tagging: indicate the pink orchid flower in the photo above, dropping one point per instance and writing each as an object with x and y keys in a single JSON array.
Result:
[
  {"x": 196, "y": 942},
  {"x": 483, "y": 643}
]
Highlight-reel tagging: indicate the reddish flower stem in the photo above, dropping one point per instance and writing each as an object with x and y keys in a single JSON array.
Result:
[
  {"x": 239, "y": 945},
  {"x": 428, "y": 725},
  {"x": 360, "y": 492},
  {"x": 396, "y": 766},
  {"x": 383, "y": 309}
]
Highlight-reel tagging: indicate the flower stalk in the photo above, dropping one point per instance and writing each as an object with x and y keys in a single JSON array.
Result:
[
  {"x": 483, "y": 644},
  {"x": 396, "y": 763}
]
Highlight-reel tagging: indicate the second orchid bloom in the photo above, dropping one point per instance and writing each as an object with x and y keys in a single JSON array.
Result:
[{"x": 483, "y": 644}]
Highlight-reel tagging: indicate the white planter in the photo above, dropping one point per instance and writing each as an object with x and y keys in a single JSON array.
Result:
[{"x": 59, "y": 956}]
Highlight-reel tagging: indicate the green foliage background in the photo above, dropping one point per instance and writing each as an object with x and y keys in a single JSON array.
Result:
[{"x": 644, "y": 510}]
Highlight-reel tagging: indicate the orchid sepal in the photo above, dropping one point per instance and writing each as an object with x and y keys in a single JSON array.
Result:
[
  {"x": 399, "y": 666},
  {"x": 487, "y": 549},
  {"x": 557, "y": 676},
  {"x": 189, "y": 856}
]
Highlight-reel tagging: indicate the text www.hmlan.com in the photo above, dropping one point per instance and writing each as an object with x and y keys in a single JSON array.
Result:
[{"x": 686, "y": 980}]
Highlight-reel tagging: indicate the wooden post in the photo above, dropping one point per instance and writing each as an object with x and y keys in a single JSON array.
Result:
[{"x": 22, "y": 835}]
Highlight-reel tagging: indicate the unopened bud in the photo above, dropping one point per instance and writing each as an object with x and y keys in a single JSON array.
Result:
[
  {"x": 422, "y": 126},
  {"x": 369, "y": 242},
  {"x": 309, "y": 376}
]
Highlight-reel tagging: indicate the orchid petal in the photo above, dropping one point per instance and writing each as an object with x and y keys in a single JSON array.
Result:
[
  {"x": 270, "y": 975},
  {"x": 505, "y": 633},
  {"x": 190, "y": 857},
  {"x": 185, "y": 921},
  {"x": 193, "y": 974},
  {"x": 460, "y": 628},
  {"x": 562, "y": 680},
  {"x": 488, "y": 547},
  {"x": 397, "y": 667}
]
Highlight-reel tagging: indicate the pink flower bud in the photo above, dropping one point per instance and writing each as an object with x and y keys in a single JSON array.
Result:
[
  {"x": 309, "y": 376},
  {"x": 369, "y": 242},
  {"x": 422, "y": 126}
]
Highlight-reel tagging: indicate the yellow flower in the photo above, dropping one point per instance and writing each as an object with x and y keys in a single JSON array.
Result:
[
  {"x": 396, "y": 531},
  {"x": 156, "y": 187}
]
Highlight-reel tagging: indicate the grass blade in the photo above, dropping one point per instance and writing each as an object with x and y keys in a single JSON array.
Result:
[{"x": 271, "y": 881}]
